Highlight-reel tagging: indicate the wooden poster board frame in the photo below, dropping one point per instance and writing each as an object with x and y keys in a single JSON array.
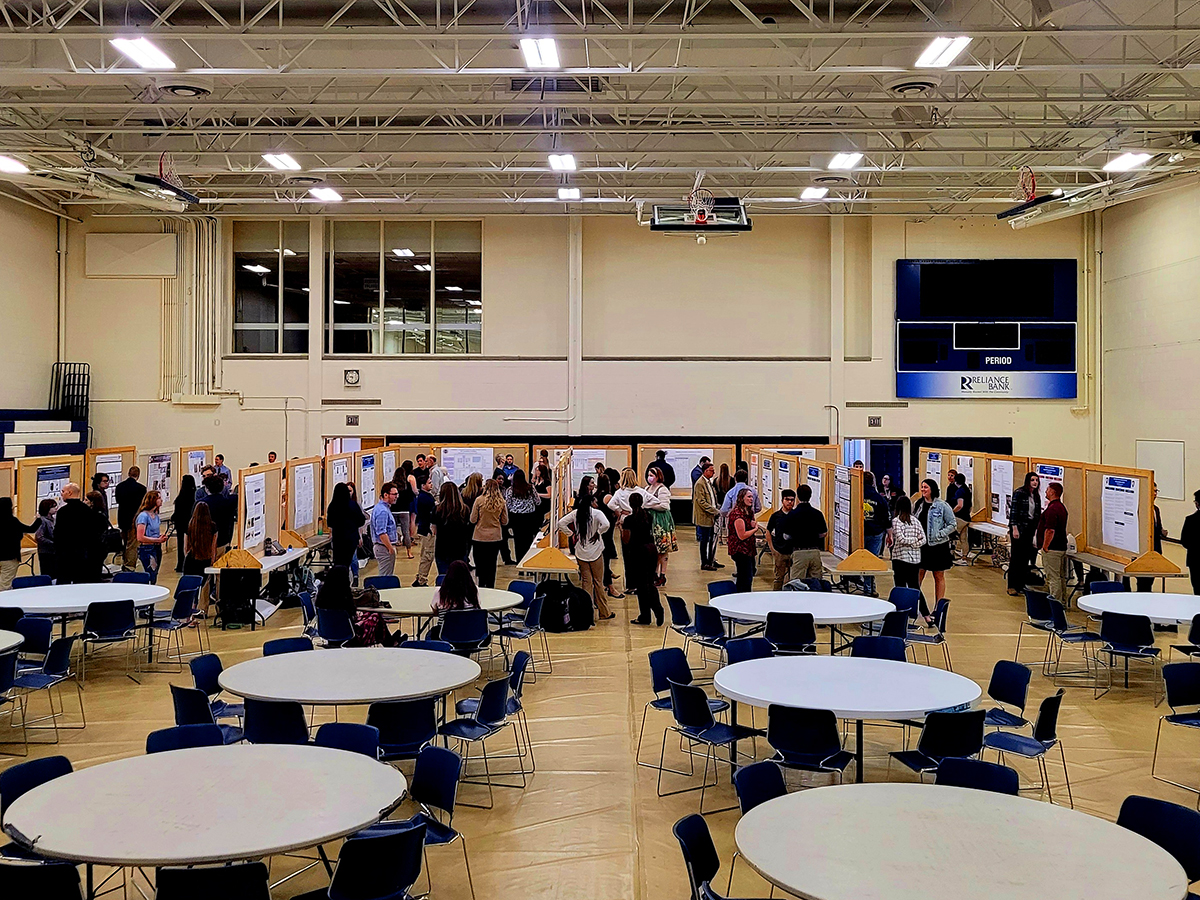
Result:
[
  {"x": 290, "y": 511},
  {"x": 682, "y": 490},
  {"x": 8, "y": 478},
  {"x": 607, "y": 448},
  {"x": 550, "y": 555},
  {"x": 981, "y": 504},
  {"x": 828, "y": 486},
  {"x": 1092, "y": 502},
  {"x": 27, "y": 480},
  {"x": 327, "y": 474},
  {"x": 1020, "y": 468},
  {"x": 1074, "y": 495},
  {"x": 356, "y": 470},
  {"x": 183, "y": 459},
  {"x": 520, "y": 453},
  {"x": 273, "y": 488},
  {"x": 143, "y": 462},
  {"x": 753, "y": 467},
  {"x": 823, "y": 452},
  {"x": 856, "y": 511},
  {"x": 766, "y": 463},
  {"x": 129, "y": 457}
]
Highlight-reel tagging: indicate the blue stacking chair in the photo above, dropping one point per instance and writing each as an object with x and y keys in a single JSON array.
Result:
[
  {"x": 1107, "y": 587},
  {"x": 527, "y": 631},
  {"x": 59, "y": 881},
  {"x": 9, "y": 617},
  {"x": 108, "y": 623},
  {"x": 807, "y": 740},
  {"x": 382, "y": 582},
  {"x": 349, "y": 736},
  {"x": 1063, "y": 634},
  {"x": 182, "y": 737},
  {"x": 516, "y": 683},
  {"x": 791, "y": 633},
  {"x": 335, "y": 627},
  {"x": 907, "y": 599},
  {"x": 945, "y": 735},
  {"x": 527, "y": 590},
  {"x": 287, "y": 645},
  {"x": 36, "y": 635},
  {"x": 30, "y": 581},
  {"x": 1037, "y": 618},
  {"x": 20, "y": 779},
  {"x": 275, "y": 722},
  {"x": 174, "y": 622},
  {"x": 404, "y": 726},
  {"x": 937, "y": 638},
  {"x": 1182, "y": 682},
  {"x": 379, "y": 866},
  {"x": 131, "y": 578},
  {"x": 489, "y": 719},
  {"x": 245, "y": 881},
  {"x": 206, "y": 673},
  {"x": 54, "y": 670},
  {"x": 1044, "y": 739},
  {"x": 978, "y": 775},
  {"x": 192, "y": 708},
  {"x": 308, "y": 611},
  {"x": 1173, "y": 827},
  {"x": 666, "y": 666},
  {"x": 1192, "y": 647},
  {"x": 721, "y": 588},
  {"x": 1009, "y": 685},
  {"x": 875, "y": 647},
  {"x": 681, "y": 621},
  {"x": 1127, "y": 637},
  {"x": 699, "y": 856},
  {"x": 754, "y": 785},
  {"x": 747, "y": 648},
  {"x": 436, "y": 646},
  {"x": 466, "y": 630},
  {"x": 710, "y": 632}
]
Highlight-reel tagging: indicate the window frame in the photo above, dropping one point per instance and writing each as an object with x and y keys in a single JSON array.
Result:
[{"x": 280, "y": 325}]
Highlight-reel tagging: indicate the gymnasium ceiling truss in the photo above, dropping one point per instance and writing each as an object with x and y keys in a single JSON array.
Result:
[{"x": 427, "y": 107}]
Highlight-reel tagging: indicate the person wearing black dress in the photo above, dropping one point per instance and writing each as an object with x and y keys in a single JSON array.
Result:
[
  {"x": 641, "y": 558},
  {"x": 345, "y": 520},
  {"x": 181, "y": 516}
]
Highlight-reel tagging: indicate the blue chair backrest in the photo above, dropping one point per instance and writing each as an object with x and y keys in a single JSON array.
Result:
[
  {"x": 464, "y": 626},
  {"x": 438, "y": 581},
  {"x": 1045, "y": 727},
  {"x": 493, "y": 702},
  {"x": 526, "y": 589},
  {"x": 9, "y": 617},
  {"x": 978, "y": 775},
  {"x": 58, "y": 657},
  {"x": 796, "y": 730},
  {"x": 757, "y": 783},
  {"x": 36, "y": 632},
  {"x": 699, "y": 852},
  {"x": 1037, "y": 606},
  {"x": 185, "y": 603},
  {"x": 1126, "y": 629},
  {"x": 349, "y": 736},
  {"x": 30, "y": 581},
  {"x": 952, "y": 733},
  {"x": 516, "y": 674},
  {"x": 1182, "y": 681},
  {"x": 24, "y": 777},
  {"x": 435, "y": 778},
  {"x": 667, "y": 665},
  {"x": 680, "y": 616},
  {"x": 206, "y": 669},
  {"x": 131, "y": 578},
  {"x": 189, "y": 583},
  {"x": 379, "y": 865},
  {"x": 8, "y": 672},
  {"x": 748, "y": 648},
  {"x": 403, "y": 723},
  {"x": 275, "y": 722},
  {"x": 191, "y": 706},
  {"x": 287, "y": 645},
  {"x": 436, "y": 646},
  {"x": 246, "y": 881},
  {"x": 110, "y": 619},
  {"x": 689, "y": 705},
  {"x": 708, "y": 621},
  {"x": 181, "y": 737},
  {"x": 823, "y": 585},
  {"x": 334, "y": 625},
  {"x": 1010, "y": 683},
  {"x": 905, "y": 598},
  {"x": 873, "y": 647},
  {"x": 721, "y": 588},
  {"x": 1106, "y": 587},
  {"x": 1173, "y": 827},
  {"x": 382, "y": 582},
  {"x": 533, "y": 612}
]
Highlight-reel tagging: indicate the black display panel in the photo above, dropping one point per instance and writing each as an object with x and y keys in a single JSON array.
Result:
[{"x": 986, "y": 290}]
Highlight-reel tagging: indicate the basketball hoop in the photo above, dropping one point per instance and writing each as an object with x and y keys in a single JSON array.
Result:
[
  {"x": 1026, "y": 188},
  {"x": 701, "y": 203},
  {"x": 166, "y": 170}
]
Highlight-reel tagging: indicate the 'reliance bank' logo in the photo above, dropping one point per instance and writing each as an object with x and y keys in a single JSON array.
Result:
[{"x": 985, "y": 384}]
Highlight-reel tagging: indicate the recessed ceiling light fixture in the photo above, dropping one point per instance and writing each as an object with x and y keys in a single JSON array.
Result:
[
  {"x": 451, "y": 287},
  {"x": 1127, "y": 161},
  {"x": 257, "y": 269},
  {"x": 562, "y": 162},
  {"x": 282, "y": 161},
  {"x": 813, "y": 193},
  {"x": 845, "y": 160},
  {"x": 540, "y": 53},
  {"x": 423, "y": 267},
  {"x": 13, "y": 166},
  {"x": 568, "y": 193},
  {"x": 403, "y": 251},
  {"x": 327, "y": 194},
  {"x": 941, "y": 52},
  {"x": 142, "y": 52}
]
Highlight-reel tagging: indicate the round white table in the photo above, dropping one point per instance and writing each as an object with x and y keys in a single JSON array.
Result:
[
  {"x": 854, "y": 688},
  {"x": 10, "y": 640},
  {"x": 1162, "y": 609},
  {"x": 825, "y": 608},
  {"x": 415, "y": 601},
  {"x": 217, "y": 804},
  {"x": 350, "y": 676},
  {"x": 943, "y": 843}
]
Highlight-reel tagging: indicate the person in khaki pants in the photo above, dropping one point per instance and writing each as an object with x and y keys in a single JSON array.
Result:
[
  {"x": 807, "y": 527},
  {"x": 1052, "y": 540},
  {"x": 704, "y": 517},
  {"x": 588, "y": 525},
  {"x": 780, "y": 540}
]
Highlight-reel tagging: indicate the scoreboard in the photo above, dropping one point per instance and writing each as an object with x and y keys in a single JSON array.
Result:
[{"x": 986, "y": 328}]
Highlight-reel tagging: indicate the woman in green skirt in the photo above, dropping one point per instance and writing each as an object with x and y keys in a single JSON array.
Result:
[{"x": 662, "y": 524}]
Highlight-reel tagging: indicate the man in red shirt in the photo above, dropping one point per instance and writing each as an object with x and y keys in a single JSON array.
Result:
[{"x": 1052, "y": 539}]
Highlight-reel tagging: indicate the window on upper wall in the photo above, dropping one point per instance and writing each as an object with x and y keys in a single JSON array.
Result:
[
  {"x": 270, "y": 287},
  {"x": 403, "y": 288}
]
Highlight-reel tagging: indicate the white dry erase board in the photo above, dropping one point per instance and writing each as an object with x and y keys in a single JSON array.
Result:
[{"x": 1165, "y": 459}]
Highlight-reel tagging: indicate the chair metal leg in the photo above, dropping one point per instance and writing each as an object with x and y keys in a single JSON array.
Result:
[
  {"x": 1066, "y": 777},
  {"x": 1154, "y": 764}
]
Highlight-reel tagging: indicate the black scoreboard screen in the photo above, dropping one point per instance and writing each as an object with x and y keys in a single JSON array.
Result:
[{"x": 986, "y": 327}]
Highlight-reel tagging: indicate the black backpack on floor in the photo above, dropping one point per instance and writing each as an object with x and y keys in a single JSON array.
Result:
[
  {"x": 565, "y": 607},
  {"x": 579, "y": 608}
]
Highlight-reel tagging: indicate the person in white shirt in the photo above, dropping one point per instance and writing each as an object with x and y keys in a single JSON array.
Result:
[
  {"x": 587, "y": 526},
  {"x": 437, "y": 474},
  {"x": 662, "y": 524},
  {"x": 906, "y": 538},
  {"x": 620, "y": 498}
]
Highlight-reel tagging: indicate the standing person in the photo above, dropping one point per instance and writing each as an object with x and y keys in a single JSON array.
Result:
[
  {"x": 629, "y": 487},
  {"x": 698, "y": 469},
  {"x": 640, "y": 557},
  {"x": 1147, "y": 584},
  {"x": 149, "y": 534},
  {"x": 129, "y": 500},
  {"x": 704, "y": 514},
  {"x": 1189, "y": 537},
  {"x": 951, "y": 487},
  {"x": 522, "y": 502},
  {"x": 743, "y": 539},
  {"x": 1024, "y": 510},
  {"x": 437, "y": 474},
  {"x": 451, "y": 528},
  {"x": 779, "y": 539},
  {"x": 45, "y": 536},
  {"x": 489, "y": 516},
  {"x": 345, "y": 519},
  {"x": 271, "y": 457},
  {"x": 937, "y": 520},
  {"x": 181, "y": 516},
  {"x": 1052, "y": 541},
  {"x": 962, "y": 509},
  {"x": 201, "y": 540},
  {"x": 498, "y": 472},
  {"x": 906, "y": 537},
  {"x": 877, "y": 519},
  {"x": 471, "y": 490},
  {"x": 667, "y": 472},
  {"x": 11, "y": 532},
  {"x": 587, "y": 526},
  {"x": 383, "y": 530},
  {"x": 740, "y": 482},
  {"x": 222, "y": 471},
  {"x": 420, "y": 473},
  {"x": 541, "y": 486},
  {"x": 77, "y": 534},
  {"x": 604, "y": 497},
  {"x": 542, "y": 460},
  {"x": 808, "y": 528},
  {"x": 885, "y": 484},
  {"x": 510, "y": 468},
  {"x": 724, "y": 483},
  {"x": 100, "y": 482},
  {"x": 658, "y": 504},
  {"x": 406, "y": 493},
  {"x": 424, "y": 510}
]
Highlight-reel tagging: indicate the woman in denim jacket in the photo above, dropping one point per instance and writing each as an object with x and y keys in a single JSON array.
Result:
[{"x": 937, "y": 518}]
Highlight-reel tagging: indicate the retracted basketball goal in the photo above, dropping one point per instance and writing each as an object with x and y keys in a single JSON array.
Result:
[{"x": 702, "y": 216}]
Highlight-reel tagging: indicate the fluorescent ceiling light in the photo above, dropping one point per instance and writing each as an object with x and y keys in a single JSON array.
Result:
[
  {"x": 1126, "y": 161},
  {"x": 257, "y": 269},
  {"x": 304, "y": 289},
  {"x": 540, "y": 53},
  {"x": 451, "y": 287},
  {"x": 142, "y": 52},
  {"x": 845, "y": 160},
  {"x": 325, "y": 193},
  {"x": 423, "y": 267},
  {"x": 282, "y": 161},
  {"x": 403, "y": 251},
  {"x": 941, "y": 52},
  {"x": 341, "y": 302},
  {"x": 562, "y": 162},
  {"x": 813, "y": 193},
  {"x": 285, "y": 251},
  {"x": 13, "y": 166},
  {"x": 568, "y": 193}
]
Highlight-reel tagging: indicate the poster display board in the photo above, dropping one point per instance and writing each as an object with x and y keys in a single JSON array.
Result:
[
  {"x": 364, "y": 476},
  {"x": 337, "y": 471},
  {"x": 841, "y": 512},
  {"x": 966, "y": 467},
  {"x": 259, "y": 520},
  {"x": 814, "y": 477},
  {"x": 1119, "y": 513},
  {"x": 193, "y": 459},
  {"x": 767, "y": 474},
  {"x": 754, "y": 458},
  {"x": 683, "y": 458},
  {"x": 160, "y": 472},
  {"x": 838, "y": 493},
  {"x": 114, "y": 462},
  {"x": 42, "y": 477},
  {"x": 783, "y": 474},
  {"x": 8, "y": 478},
  {"x": 975, "y": 467},
  {"x": 1072, "y": 480},
  {"x": 388, "y": 463},
  {"x": 831, "y": 453},
  {"x": 1000, "y": 479},
  {"x": 1048, "y": 474},
  {"x": 614, "y": 456},
  {"x": 933, "y": 467},
  {"x": 303, "y": 480},
  {"x": 461, "y": 461},
  {"x": 560, "y": 496}
]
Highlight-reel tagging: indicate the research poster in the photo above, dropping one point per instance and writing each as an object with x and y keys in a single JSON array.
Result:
[
  {"x": 1047, "y": 475},
  {"x": 583, "y": 462},
  {"x": 1002, "y": 488},
  {"x": 158, "y": 475},
  {"x": 783, "y": 474},
  {"x": 196, "y": 461},
  {"x": 305, "y": 478},
  {"x": 768, "y": 484},
  {"x": 110, "y": 464},
  {"x": 254, "y": 529},
  {"x": 367, "y": 488},
  {"x": 463, "y": 461},
  {"x": 339, "y": 471},
  {"x": 966, "y": 467},
  {"x": 933, "y": 467},
  {"x": 1119, "y": 511},
  {"x": 50, "y": 482},
  {"x": 683, "y": 461},
  {"x": 841, "y": 512},
  {"x": 388, "y": 465},
  {"x": 753, "y": 468},
  {"x": 814, "y": 482}
]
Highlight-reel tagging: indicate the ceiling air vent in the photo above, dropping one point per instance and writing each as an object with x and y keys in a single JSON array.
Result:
[
  {"x": 562, "y": 84},
  {"x": 912, "y": 84}
]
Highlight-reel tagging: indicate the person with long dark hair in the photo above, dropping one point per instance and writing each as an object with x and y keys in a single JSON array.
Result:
[
  {"x": 522, "y": 502},
  {"x": 587, "y": 525},
  {"x": 937, "y": 518},
  {"x": 906, "y": 538},
  {"x": 743, "y": 539},
  {"x": 181, "y": 516},
  {"x": 402, "y": 508},
  {"x": 451, "y": 528},
  {"x": 604, "y": 494},
  {"x": 335, "y": 593},
  {"x": 640, "y": 556},
  {"x": 1024, "y": 510},
  {"x": 345, "y": 520},
  {"x": 44, "y": 536},
  {"x": 542, "y": 480},
  {"x": 11, "y": 532},
  {"x": 457, "y": 590}
]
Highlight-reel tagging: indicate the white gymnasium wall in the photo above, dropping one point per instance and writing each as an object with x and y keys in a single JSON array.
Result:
[
  {"x": 28, "y": 304},
  {"x": 1151, "y": 332}
]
